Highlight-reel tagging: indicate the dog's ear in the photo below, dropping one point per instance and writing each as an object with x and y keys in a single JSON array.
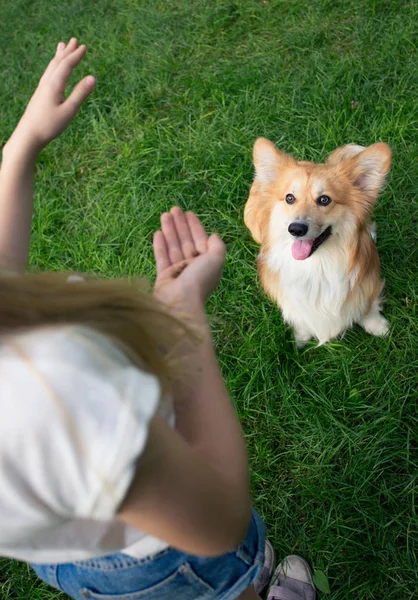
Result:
[
  {"x": 368, "y": 169},
  {"x": 343, "y": 153},
  {"x": 268, "y": 160}
]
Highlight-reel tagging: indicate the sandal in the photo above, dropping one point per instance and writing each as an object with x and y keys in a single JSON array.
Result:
[
  {"x": 264, "y": 576},
  {"x": 292, "y": 580}
]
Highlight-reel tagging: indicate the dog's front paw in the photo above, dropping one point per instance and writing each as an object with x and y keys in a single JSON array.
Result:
[
  {"x": 376, "y": 325},
  {"x": 302, "y": 338}
]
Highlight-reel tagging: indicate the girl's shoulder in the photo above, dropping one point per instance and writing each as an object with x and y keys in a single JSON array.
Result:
[
  {"x": 72, "y": 374},
  {"x": 75, "y": 419},
  {"x": 75, "y": 344}
]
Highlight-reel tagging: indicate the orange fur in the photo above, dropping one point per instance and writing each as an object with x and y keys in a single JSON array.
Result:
[{"x": 269, "y": 280}]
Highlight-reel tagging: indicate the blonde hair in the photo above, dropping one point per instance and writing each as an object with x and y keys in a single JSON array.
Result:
[{"x": 144, "y": 328}]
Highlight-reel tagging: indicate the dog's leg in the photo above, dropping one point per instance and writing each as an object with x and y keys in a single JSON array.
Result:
[
  {"x": 374, "y": 322},
  {"x": 372, "y": 230},
  {"x": 302, "y": 336}
]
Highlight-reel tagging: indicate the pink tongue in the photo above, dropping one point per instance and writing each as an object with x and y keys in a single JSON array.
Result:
[{"x": 301, "y": 249}]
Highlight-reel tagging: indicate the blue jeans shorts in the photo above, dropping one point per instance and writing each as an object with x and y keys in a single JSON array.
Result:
[{"x": 168, "y": 575}]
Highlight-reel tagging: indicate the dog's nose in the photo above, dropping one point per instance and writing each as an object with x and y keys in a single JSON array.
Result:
[{"x": 298, "y": 229}]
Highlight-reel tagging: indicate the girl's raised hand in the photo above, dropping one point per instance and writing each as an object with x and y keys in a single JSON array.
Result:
[
  {"x": 49, "y": 113},
  {"x": 189, "y": 262}
]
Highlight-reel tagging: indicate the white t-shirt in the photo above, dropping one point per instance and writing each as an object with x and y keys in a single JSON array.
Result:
[{"x": 75, "y": 415}]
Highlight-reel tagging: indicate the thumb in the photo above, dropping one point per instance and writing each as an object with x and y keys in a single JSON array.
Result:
[
  {"x": 78, "y": 95},
  {"x": 215, "y": 244}
]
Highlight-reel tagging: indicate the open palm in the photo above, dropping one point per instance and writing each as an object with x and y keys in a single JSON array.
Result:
[
  {"x": 48, "y": 113},
  {"x": 189, "y": 262}
]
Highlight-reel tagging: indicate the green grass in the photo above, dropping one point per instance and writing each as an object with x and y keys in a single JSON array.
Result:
[{"x": 184, "y": 88}]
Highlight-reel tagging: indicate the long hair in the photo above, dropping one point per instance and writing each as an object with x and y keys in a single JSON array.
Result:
[{"x": 144, "y": 328}]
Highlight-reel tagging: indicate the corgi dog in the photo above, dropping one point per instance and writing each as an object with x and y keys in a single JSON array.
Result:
[{"x": 318, "y": 260}]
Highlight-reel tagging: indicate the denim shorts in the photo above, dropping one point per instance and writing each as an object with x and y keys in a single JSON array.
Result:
[{"x": 168, "y": 575}]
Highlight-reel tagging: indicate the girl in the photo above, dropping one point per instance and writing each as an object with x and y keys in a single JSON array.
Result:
[{"x": 119, "y": 479}]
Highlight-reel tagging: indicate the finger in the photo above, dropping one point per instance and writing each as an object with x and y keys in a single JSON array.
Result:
[
  {"x": 78, "y": 95},
  {"x": 198, "y": 232},
  {"x": 173, "y": 245},
  {"x": 61, "y": 46},
  {"x": 70, "y": 47},
  {"x": 66, "y": 66},
  {"x": 63, "y": 50},
  {"x": 183, "y": 232},
  {"x": 54, "y": 62},
  {"x": 215, "y": 244},
  {"x": 162, "y": 260}
]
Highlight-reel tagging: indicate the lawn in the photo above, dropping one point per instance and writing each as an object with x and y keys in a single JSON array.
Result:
[{"x": 184, "y": 89}]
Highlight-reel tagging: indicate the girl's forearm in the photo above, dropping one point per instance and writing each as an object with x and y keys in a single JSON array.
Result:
[
  {"x": 16, "y": 204},
  {"x": 46, "y": 117},
  {"x": 205, "y": 415}
]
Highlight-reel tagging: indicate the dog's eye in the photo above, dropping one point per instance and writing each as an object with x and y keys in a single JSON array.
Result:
[
  {"x": 323, "y": 201},
  {"x": 290, "y": 199}
]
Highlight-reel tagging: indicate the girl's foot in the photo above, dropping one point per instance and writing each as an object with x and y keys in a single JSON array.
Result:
[
  {"x": 264, "y": 577},
  {"x": 292, "y": 580}
]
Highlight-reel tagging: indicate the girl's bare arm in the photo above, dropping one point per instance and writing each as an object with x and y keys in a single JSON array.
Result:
[
  {"x": 47, "y": 115},
  {"x": 191, "y": 488}
]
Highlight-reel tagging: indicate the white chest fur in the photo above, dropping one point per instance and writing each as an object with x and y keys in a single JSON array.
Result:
[{"x": 314, "y": 294}]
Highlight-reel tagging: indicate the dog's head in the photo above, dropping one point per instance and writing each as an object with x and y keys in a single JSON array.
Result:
[{"x": 304, "y": 203}]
